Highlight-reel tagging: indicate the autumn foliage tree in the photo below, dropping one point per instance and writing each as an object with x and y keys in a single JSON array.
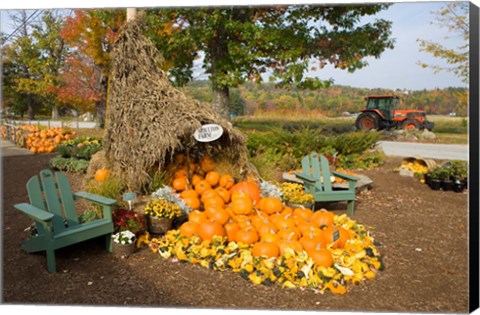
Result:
[
  {"x": 244, "y": 43},
  {"x": 90, "y": 35}
]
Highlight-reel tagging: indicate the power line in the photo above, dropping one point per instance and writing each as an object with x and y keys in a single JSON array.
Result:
[{"x": 23, "y": 24}]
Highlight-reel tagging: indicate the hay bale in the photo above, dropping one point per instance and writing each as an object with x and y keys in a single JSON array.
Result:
[{"x": 148, "y": 120}]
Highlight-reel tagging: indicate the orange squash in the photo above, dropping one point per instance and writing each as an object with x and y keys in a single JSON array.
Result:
[{"x": 102, "y": 174}]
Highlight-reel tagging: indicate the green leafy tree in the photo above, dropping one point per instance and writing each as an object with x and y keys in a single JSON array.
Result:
[
  {"x": 45, "y": 68},
  {"x": 20, "y": 58},
  {"x": 243, "y": 43},
  {"x": 454, "y": 17}
]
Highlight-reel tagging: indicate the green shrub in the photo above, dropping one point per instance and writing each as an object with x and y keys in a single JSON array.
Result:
[
  {"x": 81, "y": 148},
  {"x": 112, "y": 187},
  {"x": 70, "y": 165}
]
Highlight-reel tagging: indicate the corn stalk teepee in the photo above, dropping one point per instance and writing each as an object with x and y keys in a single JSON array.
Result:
[{"x": 148, "y": 121}]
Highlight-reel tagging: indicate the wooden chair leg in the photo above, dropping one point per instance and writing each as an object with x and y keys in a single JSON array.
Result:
[
  {"x": 351, "y": 208},
  {"x": 108, "y": 242},
  {"x": 51, "y": 265}
]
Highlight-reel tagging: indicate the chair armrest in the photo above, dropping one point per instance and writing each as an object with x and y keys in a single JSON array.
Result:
[
  {"x": 305, "y": 177},
  {"x": 100, "y": 200},
  {"x": 344, "y": 176},
  {"x": 34, "y": 212}
]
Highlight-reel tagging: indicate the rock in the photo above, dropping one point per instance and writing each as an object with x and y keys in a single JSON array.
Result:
[
  {"x": 411, "y": 137},
  {"x": 405, "y": 172},
  {"x": 398, "y": 132},
  {"x": 427, "y": 135}
]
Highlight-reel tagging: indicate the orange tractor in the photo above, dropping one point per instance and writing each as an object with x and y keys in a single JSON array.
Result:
[{"x": 382, "y": 113}]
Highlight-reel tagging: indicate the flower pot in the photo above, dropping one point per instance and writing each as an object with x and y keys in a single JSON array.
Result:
[
  {"x": 458, "y": 186},
  {"x": 300, "y": 205},
  {"x": 428, "y": 178},
  {"x": 447, "y": 185},
  {"x": 435, "y": 184},
  {"x": 159, "y": 225},
  {"x": 123, "y": 250}
]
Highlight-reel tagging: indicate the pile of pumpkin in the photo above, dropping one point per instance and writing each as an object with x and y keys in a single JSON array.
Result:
[
  {"x": 233, "y": 226},
  {"x": 43, "y": 140}
]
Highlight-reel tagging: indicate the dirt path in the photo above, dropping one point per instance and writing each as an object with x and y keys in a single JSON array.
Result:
[{"x": 424, "y": 245}]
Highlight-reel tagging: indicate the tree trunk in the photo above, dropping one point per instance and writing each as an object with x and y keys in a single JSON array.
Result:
[
  {"x": 31, "y": 109},
  {"x": 221, "y": 92},
  {"x": 101, "y": 105},
  {"x": 55, "y": 114},
  {"x": 221, "y": 101}
]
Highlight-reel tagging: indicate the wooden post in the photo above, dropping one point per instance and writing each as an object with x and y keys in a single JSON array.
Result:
[{"x": 131, "y": 14}]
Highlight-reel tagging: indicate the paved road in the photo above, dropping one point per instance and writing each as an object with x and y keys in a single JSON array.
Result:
[
  {"x": 425, "y": 150},
  {"x": 10, "y": 149},
  {"x": 391, "y": 148}
]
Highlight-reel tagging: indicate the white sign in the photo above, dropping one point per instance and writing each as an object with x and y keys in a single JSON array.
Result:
[{"x": 208, "y": 133}]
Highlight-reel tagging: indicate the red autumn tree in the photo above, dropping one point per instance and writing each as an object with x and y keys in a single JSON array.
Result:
[{"x": 90, "y": 35}]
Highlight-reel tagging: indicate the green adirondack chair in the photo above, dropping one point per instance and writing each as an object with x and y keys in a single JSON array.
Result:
[
  {"x": 316, "y": 177},
  {"x": 52, "y": 207}
]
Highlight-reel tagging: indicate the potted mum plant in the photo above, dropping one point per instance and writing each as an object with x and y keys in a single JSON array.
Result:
[
  {"x": 160, "y": 214},
  {"x": 294, "y": 196},
  {"x": 123, "y": 243}
]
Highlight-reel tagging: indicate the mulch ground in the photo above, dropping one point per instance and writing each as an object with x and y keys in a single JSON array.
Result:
[{"x": 423, "y": 236}]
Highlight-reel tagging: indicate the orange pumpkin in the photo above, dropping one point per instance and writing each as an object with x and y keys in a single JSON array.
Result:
[
  {"x": 202, "y": 186},
  {"x": 218, "y": 215},
  {"x": 248, "y": 187},
  {"x": 247, "y": 236},
  {"x": 265, "y": 249},
  {"x": 241, "y": 203},
  {"x": 270, "y": 238},
  {"x": 271, "y": 205},
  {"x": 180, "y": 183},
  {"x": 322, "y": 218},
  {"x": 222, "y": 192},
  {"x": 197, "y": 216},
  {"x": 188, "y": 229},
  {"x": 101, "y": 174},
  {"x": 286, "y": 244},
  {"x": 207, "y": 164},
  {"x": 192, "y": 202},
  {"x": 231, "y": 228},
  {"x": 212, "y": 178},
  {"x": 208, "y": 229},
  {"x": 321, "y": 257},
  {"x": 226, "y": 181}
]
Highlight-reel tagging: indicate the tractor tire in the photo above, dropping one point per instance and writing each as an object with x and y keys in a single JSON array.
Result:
[
  {"x": 410, "y": 124},
  {"x": 367, "y": 121}
]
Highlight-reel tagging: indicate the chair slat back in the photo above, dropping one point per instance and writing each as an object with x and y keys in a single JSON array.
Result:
[
  {"x": 52, "y": 199},
  {"x": 66, "y": 199},
  {"x": 325, "y": 171}
]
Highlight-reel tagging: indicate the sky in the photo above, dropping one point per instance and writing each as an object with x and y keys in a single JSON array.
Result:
[{"x": 395, "y": 69}]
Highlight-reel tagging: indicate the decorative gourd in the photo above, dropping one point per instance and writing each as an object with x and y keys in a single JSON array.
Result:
[
  {"x": 248, "y": 187},
  {"x": 102, "y": 174},
  {"x": 265, "y": 249}
]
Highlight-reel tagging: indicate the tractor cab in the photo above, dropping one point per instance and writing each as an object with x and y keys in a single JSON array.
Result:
[{"x": 386, "y": 104}]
